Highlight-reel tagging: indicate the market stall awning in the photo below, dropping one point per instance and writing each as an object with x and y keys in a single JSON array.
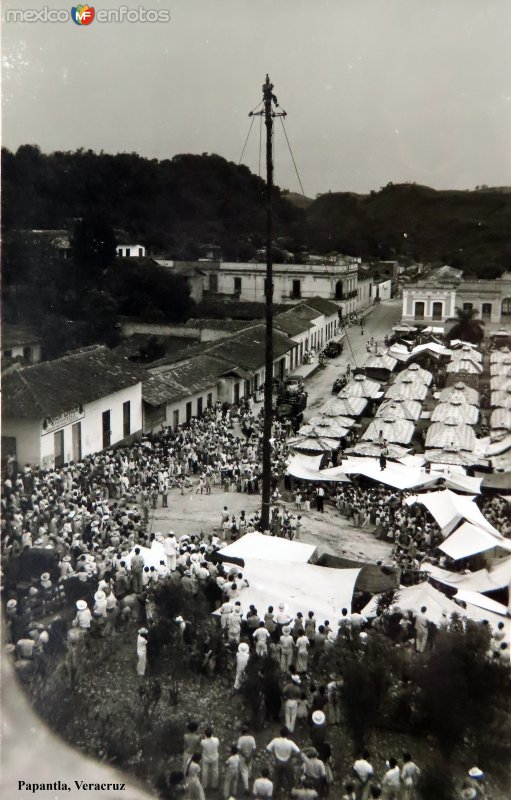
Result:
[
  {"x": 273, "y": 548},
  {"x": 396, "y": 475},
  {"x": 330, "y": 428},
  {"x": 408, "y": 409},
  {"x": 313, "y": 443},
  {"x": 373, "y": 450},
  {"x": 301, "y": 587},
  {"x": 326, "y": 420},
  {"x": 451, "y": 456},
  {"x": 469, "y": 539},
  {"x": 349, "y": 407},
  {"x": 501, "y": 419},
  {"x": 460, "y": 391},
  {"x": 304, "y": 471},
  {"x": 360, "y": 386},
  {"x": 390, "y": 429},
  {"x": 448, "y": 509},
  {"x": 413, "y": 598},
  {"x": 455, "y": 409},
  {"x": 407, "y": 390},
  {"x": 416, "y": 373},
  {"x": 452, "y": 434}
]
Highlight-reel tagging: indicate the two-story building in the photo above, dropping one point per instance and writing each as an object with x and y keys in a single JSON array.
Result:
[
  {"x": 291, "y": 282},
  {"x": 435, "y": 298},
  {"x": 432, "y": 299}
]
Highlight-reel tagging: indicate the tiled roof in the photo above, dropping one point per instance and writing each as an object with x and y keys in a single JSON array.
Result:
[
  {"x": 51, "y": 387},
  {"x": 326, "y": 307},
  {"x": 17, "y": 336},
  {"x": 175, "y": 346},
  {"x": 221, "y": 324},
  {"x": 290, "y": 324},
  {"x": 246, "y": 349},
  {"x": 169, "y": 384}
]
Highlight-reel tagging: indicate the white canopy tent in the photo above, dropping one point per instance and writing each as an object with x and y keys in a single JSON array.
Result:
[
  {"x": 349, "y": 407},
  {"x": 360, "y": 386},
  {"x": 301, "y": 587},
  {"x": 460, "y": 391},
  {"x": 450, "y": 433},
  {"x": 271, "y": 548},
  {"x": 417, "y": 373},
  {"x": 413, "y": 598},
  {"x": 468, "y": 540},
  {"x": 455, "y": 409},
  {"x": 407, "y": 389},
  {"x": 390, "y": 429},
  {"x": 449, "y": 509}
]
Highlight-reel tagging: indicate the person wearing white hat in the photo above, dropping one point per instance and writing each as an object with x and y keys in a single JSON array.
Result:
[
  {"x": 234, "y": 625},
  {"x": 142, "y": 651},
  {"x": 83, "y": 616},
  {"x": 242, "y": 658},
  {"x": 170, "y": 548},
  {"x": 286, "y": 649},
  {"x": 100, "y": 604}
]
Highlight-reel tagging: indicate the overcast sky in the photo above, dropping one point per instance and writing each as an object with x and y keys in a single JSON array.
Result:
[{"x": 375, "y": 90}]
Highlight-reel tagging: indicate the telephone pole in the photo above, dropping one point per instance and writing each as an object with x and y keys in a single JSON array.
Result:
[{"x": 269, "y": 100}]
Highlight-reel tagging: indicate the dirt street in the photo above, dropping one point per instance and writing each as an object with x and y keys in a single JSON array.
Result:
[{"x": 192, "y": 513}]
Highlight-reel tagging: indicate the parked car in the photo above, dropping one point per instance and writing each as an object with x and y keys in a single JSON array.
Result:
[
  {"x": 293, "y": 384},
  {"x": 339, "y": 384},
  {"x": 333, "y": 349}
]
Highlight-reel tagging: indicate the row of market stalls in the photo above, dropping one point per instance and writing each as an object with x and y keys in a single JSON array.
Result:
[{"x": 440, "y": 473}]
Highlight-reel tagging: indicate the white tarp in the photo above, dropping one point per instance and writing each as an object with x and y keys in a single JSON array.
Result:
[
  {"x": 481, "y": 601},
  {"x": 397, "y": 475},
  {"x": 449, "y": 508},
  {"x": 413, "y": 598},
  {"x": 152, "y": 555},
  {"x": 479, "y": 581},
  {"x": 309, "y": 472},
  {"x": 301, "y": 587},
  {"x": 469, "y": 539},
  {"x": 271, "y": 548}
]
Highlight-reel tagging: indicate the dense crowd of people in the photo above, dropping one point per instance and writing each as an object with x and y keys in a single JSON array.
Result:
[{"x": 75, "y": 543}]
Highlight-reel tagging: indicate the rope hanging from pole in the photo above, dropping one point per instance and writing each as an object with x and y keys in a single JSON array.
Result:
[
  {"x": 246, "y": 140},
  {"x": 292, "y": 156}
]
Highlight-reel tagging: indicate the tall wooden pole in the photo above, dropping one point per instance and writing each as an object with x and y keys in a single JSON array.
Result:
[{"x": 268, "y": 97}]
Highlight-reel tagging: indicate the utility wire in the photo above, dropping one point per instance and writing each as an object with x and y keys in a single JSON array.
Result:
[
  {"x": 292, "y": 156},
  {"x": 260, "y": 142},
  {"x": 246, "y": 140}
]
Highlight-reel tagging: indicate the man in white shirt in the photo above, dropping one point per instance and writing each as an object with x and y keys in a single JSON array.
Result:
[
  {"x": 283, "y": 749},
  {"x": 170, "y": 548},
  {"x": 363, "y": 772},
  {"x": 246, "y": 750},
  {"x": 209, "y": 748},
  {"x": 391, "y": 782},
  {"x": 263, "y": 787},
  {"x": 260, "y": 637}
]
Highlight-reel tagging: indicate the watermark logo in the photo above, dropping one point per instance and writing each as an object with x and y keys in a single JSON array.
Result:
[{"x": 82, "y": 15}]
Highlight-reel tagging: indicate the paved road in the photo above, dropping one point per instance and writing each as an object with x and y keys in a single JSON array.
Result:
[{"x": 378, "y": 323}]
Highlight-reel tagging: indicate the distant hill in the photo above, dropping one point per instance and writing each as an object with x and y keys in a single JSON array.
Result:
[
  {"x": 176, "y": 205},
  {"x": 466, "y": 229},
  {"x": 298, "y": 200}
]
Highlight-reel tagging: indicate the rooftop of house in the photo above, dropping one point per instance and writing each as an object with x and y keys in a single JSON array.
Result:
[
  {"x": 18, "y": 336},
  {"x": 178, "y": 381},
  {"x": 52, "y": 387}
]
